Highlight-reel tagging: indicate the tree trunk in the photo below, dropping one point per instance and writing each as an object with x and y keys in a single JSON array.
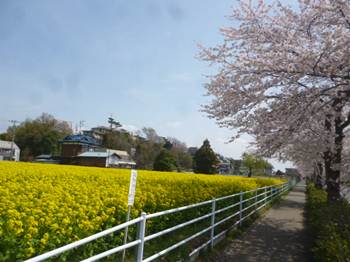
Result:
[
  {"x": 317, "y": 176},
  {"x": 332, "y": 178},
  {"x": 333, "y": 156},
  {"x": 250, "y": 172}
]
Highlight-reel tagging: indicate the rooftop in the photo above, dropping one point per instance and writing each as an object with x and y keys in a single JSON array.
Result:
[
  {"x": 95, "y": 154},
  {"x": 83, "y": 139},
  {"x": 7, "y": 145}
]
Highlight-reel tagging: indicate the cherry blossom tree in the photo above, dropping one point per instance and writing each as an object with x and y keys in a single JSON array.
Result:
[{"x": 282, "y": 71}]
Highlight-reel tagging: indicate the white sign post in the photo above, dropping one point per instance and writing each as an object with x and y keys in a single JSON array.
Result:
[
  {"x": 132, "y": 187},
  {"x": 131, "y": 198}
]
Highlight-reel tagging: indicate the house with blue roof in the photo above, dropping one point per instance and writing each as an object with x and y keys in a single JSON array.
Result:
[
  {"x": 84, "y": 150},
  {"x": 73, "y": 145}
]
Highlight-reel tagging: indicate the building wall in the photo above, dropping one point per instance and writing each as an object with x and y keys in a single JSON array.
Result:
[
  {"x": 5, "y": 154},
  {"x": 70, "y": 150},
  {"x": 17, "y": 154},
  {"x": 91, "y": 161}
]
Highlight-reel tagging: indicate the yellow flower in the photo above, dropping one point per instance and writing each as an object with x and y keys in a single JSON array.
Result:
[{"x": 51, "y": 205}]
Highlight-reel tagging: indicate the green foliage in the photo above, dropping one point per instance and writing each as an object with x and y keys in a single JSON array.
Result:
[
  {"x": 168, "y": 145},
  {"x": 5, "y": 136},
  {"x": 205, "y": 160},
  {"x": 39, "y": 136},
  {"x": 180, "y": 152},
  {"x": 255, "y": 164},
  {"x": 118, "y": 140},
  {"x": 184, "y": 160},
  {"x": 330, "y": 224},
  {"x": 165, "y": 161},
  {"x": 146, "y": 153}
]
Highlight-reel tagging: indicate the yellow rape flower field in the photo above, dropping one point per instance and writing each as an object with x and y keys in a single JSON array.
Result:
[{"x": 44, "y": 206}]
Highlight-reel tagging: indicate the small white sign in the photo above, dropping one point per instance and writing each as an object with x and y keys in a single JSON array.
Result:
[{"x": 132, "y": 187}]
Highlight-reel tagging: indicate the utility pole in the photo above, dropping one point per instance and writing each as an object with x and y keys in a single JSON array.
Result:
[
  {"x": 14, "y": 123},
  {"x": 81, "y": 124},
  {"x": 111, "y": 122},
  {"x": 71, "y": 125}
]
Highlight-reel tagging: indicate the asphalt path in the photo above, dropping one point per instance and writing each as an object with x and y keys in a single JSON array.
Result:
[{"x": 280, "y": 235}]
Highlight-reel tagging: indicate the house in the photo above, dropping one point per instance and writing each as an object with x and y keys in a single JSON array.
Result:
[
  {"x": 279, "y": 173},
  {"x": 108, "y": 158},
  {"x": 268, "y": 171},
  {"x": 84, "y": 150},
  {"x": 238, "y": 168},
  {"x": 224, "y": 165},
  {"x": 73, "y": 145},
  {"x": 124, "y": 159},
  {"x": 97, "y": 132},
  {"x": 292, "y": 172},
  {"x": 9, "y": 151},
  {"x": 47, "y": 159}
]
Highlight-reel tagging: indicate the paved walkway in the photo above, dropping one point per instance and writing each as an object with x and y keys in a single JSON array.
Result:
[{"x": 278, "y": 236}]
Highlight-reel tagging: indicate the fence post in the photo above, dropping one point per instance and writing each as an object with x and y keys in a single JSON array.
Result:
[
  {"x": 265, "y": 195},
  {"x": 256, "y": 197},
  {"x": 271, "y": 193},
  {"x": 240, "y": 207},
  {"x": 212, "y": 231},
  {"x": 141, "y": 236}
]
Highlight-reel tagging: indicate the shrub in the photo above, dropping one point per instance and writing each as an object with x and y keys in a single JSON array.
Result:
[
  {"x": 330, "y": 224},
  {"x": 165, "y": 161}
]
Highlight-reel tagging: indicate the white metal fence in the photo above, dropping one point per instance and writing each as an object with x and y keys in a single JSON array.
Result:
[{"x": 248, "y": 203}]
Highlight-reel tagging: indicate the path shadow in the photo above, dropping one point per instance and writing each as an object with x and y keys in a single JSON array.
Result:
[
  {"x": 283, "y": 238},
  {"x": 264, "y": 242}
]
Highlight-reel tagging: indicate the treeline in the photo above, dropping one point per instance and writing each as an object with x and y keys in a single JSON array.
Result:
[
  {"x": 149, "y": 150},
  {"x": 38, "y": 136}
]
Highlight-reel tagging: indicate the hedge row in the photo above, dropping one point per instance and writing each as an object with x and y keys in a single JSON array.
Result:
[{"x": 330, "y": 225}]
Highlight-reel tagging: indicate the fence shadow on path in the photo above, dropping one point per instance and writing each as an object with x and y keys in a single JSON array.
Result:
[{"x": 280, "y": 235}]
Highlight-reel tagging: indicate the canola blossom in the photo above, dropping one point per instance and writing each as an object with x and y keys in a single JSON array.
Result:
[{"x": 45, "y": 206}]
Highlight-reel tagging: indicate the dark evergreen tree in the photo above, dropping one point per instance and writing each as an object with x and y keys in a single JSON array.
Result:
[
  {"x": 165, "y": 161},
  {"x": 168, "y": 145},
  {"x": 205, "y": 160}
]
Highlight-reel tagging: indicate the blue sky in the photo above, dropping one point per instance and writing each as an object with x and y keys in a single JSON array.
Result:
[{"x": 84, "y": 60}]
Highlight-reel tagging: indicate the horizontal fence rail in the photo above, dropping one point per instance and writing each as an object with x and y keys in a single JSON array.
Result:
[{"x": 249, "y": 202}]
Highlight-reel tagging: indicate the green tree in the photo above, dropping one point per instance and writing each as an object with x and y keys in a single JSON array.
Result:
[
  {"x": 184, "y": 161},
  {"x": 205, "y": 160},
  {"x": 151, "y": 135},
  {"x": 5, "y": 136},
  {"x": 145, "y": 154},
  {"x": 168, "y": 145},
  {"x": 118, "y": 140},
  {"x": 254, "y": 163},
  {"x": 39, "y": 136},
  {"x": 180, "y": 151},
  {"x": 165, "y": 161}
]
